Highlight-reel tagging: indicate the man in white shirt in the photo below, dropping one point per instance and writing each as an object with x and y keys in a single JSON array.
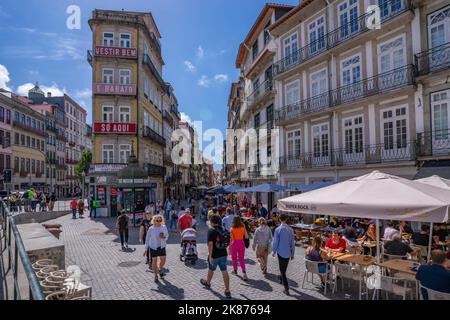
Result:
[{"x": 390, "y": 231}]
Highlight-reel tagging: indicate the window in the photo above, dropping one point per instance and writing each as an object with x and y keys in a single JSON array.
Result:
[
  {"x": 16, "y": 164},
  {"x": 294, "y": 144},
  {"x": 2, "y": 114},
  {"x": 255, "y": 50},
  {"x": 108, "y": 39},
  {"x": 8, "y": 116},
  {"x": 266, "y": 34},
  {"x": 392, "y": 54},
  {"x": 389, "y": 7},
  {"x": 319, "y": 82},
  {"x": 290, "y": 49},
  {"x": 33, "y": 166},
  {"x": 320, "y": 140},
  {"x": 394, "y": 128},
  {"x": 353, "y": 135},
  {"x": 316, "y": 32},
  {"x": 350, "y": 78},
  {"x": 438, "y": 35},
  {"x": 146, "y": 88},
  {"x": 124, "y": 115},
  {"x": 16, "y": 138},
  {"x": 108, "y": 76},
  {"x": 125, "y": 76},
  {"x": 348, "y": 18},
  {"x": 440, "y": 105},
  {"x": 108, "y": 114},
  {"x": 108, "y": 153},
  {"x": 28, "y": 141},
  {"x": 124, "y": 152},
  {"x": 125, "y": 40},
  {"x": 146, "y": 119},
  {"x": 292, "y": 93},
  {"x": 33, "y": 143}
]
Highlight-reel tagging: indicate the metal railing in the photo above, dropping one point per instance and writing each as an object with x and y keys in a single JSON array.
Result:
[
  {"x": 12, "y": 243},
  {"x": 380, "y": 83},
  {"x": 353, "y": 28},
  {"x": 148, "y": 62},
  {"x": 351, "y": 156},
  {"x": 168, "y": 117},
  {"x": 434, "y": 59},
  {"x": 259, "y": 92},
  {"x": 434, "y": 143},
  {"x": 154, "y": 136},
  {"x": 30, "y": 128},
  {"x": 89, "y": 56}
]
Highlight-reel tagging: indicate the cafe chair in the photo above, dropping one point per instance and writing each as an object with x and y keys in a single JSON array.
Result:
[
  {"x": 395, "y": 285},
  {"x": 312, "y": 267},
  {"x": 57, "y": 295},
  {"x": 348, "y": 272},
  {"x": 433, "y": 294},
  {"x": 423, "y": 253}
]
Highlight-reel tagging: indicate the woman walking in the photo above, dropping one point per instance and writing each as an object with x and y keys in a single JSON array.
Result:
[
  {"x": 122, "y": 224},
  {"x": 261, "y": 242},
  {"x": 238, "y": 234},
  {"x": 155, "y": 242},
  {"x": 81, "y": 208}
]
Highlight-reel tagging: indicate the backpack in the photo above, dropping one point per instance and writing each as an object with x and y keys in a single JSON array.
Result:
[{"x": 224, "y": 240}]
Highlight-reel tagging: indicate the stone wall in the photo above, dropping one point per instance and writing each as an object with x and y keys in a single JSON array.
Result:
[{"x": 38, "y": 217}]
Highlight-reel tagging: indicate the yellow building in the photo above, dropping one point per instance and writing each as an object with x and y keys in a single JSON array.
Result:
[{"x": 128, "y": 91}]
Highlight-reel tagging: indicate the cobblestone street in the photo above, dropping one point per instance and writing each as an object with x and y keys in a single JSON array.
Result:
[{"x": 94, "y": 246}]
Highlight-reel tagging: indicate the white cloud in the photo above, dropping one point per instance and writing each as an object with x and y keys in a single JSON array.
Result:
[
  {"x": 4, "y": 78},
  {"x": 83, "y": 94},
  {"x": 204, "y": 81},
  {"x": 189, "y": 66},
  {"x": 53, "y": 89},
  {"x": 200, "y": 52},
  {"x": 185, "y": 117},
  {"x": 221, "y": 78}
]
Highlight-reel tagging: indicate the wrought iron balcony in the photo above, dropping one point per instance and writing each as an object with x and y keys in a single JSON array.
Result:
[
  {"x": 381, "y": 83},
  {"x": 89, "y": 56},
  {"x": 263, "y": 90},
  {"x": 168, "y": 117},
  {"x": 260, "y": 172},
  {"x": 155, "y": 170},
  {"x": 433, "y": 60},
  {"x": 388, "y": 10},
  {"x": 148, "y": 62},
  {"x": 154, "y": 136},
  {"x": 30, "y": 129},
  {"x": 434, "y": 143},
  {"x": 362, "y": 155},
  {"x": 155, "y": 42}
]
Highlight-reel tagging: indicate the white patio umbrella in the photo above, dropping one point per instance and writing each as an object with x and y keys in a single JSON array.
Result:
[
  {"x": 436, "y": 181},
  {"x": 376, "y": 196}
]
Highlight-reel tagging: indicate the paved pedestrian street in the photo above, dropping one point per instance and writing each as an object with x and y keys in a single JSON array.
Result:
[{"x": 94, "y": 246}]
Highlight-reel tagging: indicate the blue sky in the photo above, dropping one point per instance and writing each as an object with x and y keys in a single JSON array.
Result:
[{"x": 200, "y": 39}]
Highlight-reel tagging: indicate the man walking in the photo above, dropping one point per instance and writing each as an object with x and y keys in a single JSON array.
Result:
[
  {"x": 283, "y": 245},
  {"x": 227, "y": 220},
  {"x": 73, "y": 207},
  {"x": 217, "y": 254}
]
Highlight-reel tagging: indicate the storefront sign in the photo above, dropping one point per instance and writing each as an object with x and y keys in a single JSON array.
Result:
[
  {"x": 106, "y": 167},
  {"x": 113, "y": 192},
  {"x": 120, "y": 89},
  {"x": 115, "y": 52},
  {"x": 115, "y": 128}
]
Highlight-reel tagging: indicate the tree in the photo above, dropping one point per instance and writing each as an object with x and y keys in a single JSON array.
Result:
[{"x": 84, "y": 164}]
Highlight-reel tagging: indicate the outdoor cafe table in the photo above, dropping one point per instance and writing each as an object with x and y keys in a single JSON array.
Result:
[
  {"x": 358, "y": 260},
  {"x": 370, "y": 245},
  {"x": 404, "y": 268}
]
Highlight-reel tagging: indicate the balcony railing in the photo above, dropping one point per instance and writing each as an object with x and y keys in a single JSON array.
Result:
[
  {"x": 268, "y": 125},
  {"x": 115, "y": 89},
  {"x": 148, "y": 62},
  {"x": 434, "y": 143},
  {"x": 155, "y": 42},
  {"x": 259, "y": 92},
  {"x": 71, "y": 161},
  {"x": 61, "y": 137},
  {"x": 51, "y": 128},
  {"x": 155, "y": 170},
  {"x": 167, "y": 117},
  {"x": 89, "y": 57},
  {"x": 72, "y": 143},
  {"x": 363, "y": 155},
  {"x": 433, "y": 60},
  {"x": 381, "y": 83},
  {"x": 29, "y": 128},
  {"x": 388, "y": 10},
  {"x": 154, "y": 136},
  {"x": 258, "y": 171}
]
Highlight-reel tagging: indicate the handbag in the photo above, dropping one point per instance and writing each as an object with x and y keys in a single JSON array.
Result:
[{"x": 246, "y": 242}]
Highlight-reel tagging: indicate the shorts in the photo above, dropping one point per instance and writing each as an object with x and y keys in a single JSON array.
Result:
[
  {"x": 221, "y": 262},
  {"x": 160, "y": 252}
]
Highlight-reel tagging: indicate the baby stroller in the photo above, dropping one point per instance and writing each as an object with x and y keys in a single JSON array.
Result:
[{"x": 189, "y": 246}]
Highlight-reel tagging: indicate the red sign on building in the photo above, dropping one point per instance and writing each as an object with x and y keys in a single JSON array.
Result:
[
  {"x": 115, "y": 52},
  {"x": 120, "y": 89},
  {"x": 116, "y": 128}
]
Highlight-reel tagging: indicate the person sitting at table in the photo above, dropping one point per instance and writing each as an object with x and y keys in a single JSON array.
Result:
[
  {"x": 397, "y": 247},
  {"x": 440, "y": 233},
  {"x": 352, "y": 244},
  {"x": 405, "y": 228},
  {"x": 333, "y": 222},
  {"x": 389, "y": 231},
  {"x": 435, "y": 276},
  {"x": 315, "y": 253},
  {"x": 422, "y": 238},
  {"x": 335, "y": 243}
]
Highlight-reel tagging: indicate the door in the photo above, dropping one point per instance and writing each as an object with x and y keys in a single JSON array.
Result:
[
  {"x": 395, "y": 134},
  {"x": 389, "y": 8},
  {"x": 440, "y": 109},
  {"x": 290, "y": 50},
  {"x": 269, "y": 117},
  {"x": 319, "y": 88},
  {"x": 351, "y": 79},
  {"x": 348, "y": 18},
  {"x": 321, "y": 145},
  {"x": 391, "y": 59},
  {"x": 316, "y": 32},
  {"x": 439, "y": 35},
  {"x": 353, "y": 140}
]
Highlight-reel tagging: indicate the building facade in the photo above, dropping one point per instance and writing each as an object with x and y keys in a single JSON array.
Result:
[
  {"x": 350, "y": 98},
  {"x": 5, "y": 145}
]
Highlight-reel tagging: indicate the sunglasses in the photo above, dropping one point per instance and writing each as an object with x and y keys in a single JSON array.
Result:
[{"x": 159, "y": 220}]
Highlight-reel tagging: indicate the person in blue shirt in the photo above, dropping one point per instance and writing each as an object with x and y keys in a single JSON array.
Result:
[
  {"x": 283, "y": 245},
  {"x": 262, "y": 211},
  {"x": 227, "y": 220},
  {"x": 435, "y": 276}
]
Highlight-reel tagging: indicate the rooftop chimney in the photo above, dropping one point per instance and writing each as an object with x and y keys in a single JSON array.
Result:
[{"x": 49, "y": 94}]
